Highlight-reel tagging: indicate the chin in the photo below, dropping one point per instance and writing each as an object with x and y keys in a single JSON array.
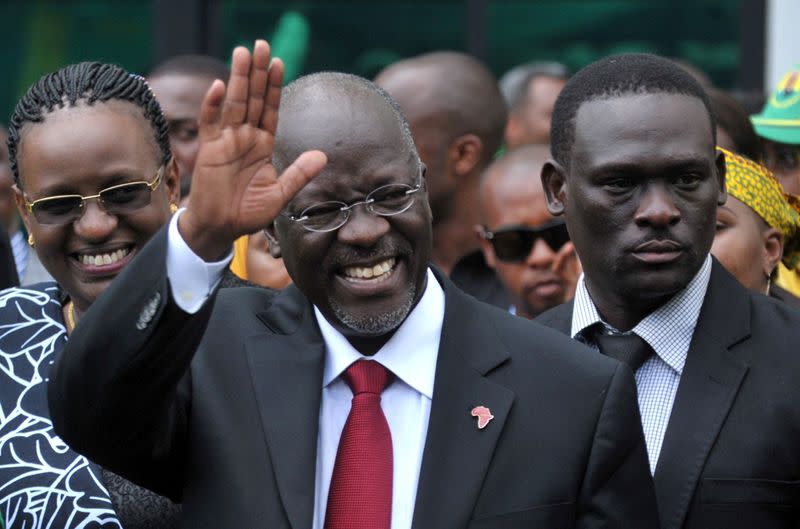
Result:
[{"x": 374, "y": 322}]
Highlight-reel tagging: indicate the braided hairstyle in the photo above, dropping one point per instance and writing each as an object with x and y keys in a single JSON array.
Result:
[{"x": 88, "y": 82}]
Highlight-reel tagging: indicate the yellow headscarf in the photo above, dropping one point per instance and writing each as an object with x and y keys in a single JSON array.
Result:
[{"x": 757, "y": 187}]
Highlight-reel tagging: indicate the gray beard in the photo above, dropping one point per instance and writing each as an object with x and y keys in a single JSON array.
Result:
[{"x": 376, "y": 324}]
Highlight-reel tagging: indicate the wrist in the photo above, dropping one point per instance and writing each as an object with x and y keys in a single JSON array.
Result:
[{"x": 207, "y": 244}]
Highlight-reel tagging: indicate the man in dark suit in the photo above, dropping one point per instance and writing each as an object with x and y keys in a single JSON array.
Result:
[
  {"x": 637, "y": 178},
  {"x": 370, "y": 394}
]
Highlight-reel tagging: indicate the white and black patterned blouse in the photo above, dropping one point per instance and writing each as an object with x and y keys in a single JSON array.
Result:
[{"x": 43, "y": 483}]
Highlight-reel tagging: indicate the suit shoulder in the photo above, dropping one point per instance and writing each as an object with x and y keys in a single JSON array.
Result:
[
  {"x": 529, "y": 342},
  {"x": 775, "y": 322},
  {"x": 233, "y": 299}
]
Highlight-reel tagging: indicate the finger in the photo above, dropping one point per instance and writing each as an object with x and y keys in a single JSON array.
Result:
[
  {"x": 296, "y": 176},
  {"x": 234, "y": 109},
  {"x": 258, "y": 82},
  {"x": 565, "y": 253},
  {"x": 269, "y": 118},
  {"x": 211, "y": 111}
]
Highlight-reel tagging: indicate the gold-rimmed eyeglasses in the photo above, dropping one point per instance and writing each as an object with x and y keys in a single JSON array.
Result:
[{"x": 119, "y": 199}]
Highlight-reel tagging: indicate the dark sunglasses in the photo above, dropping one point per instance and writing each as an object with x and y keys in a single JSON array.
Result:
[{"x": 515, "y": 243}]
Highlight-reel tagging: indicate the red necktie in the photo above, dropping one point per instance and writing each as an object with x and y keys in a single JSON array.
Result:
[{"x": 360, "y": 495}]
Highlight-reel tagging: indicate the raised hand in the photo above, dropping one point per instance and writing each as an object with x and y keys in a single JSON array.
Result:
[{"x": 235, "y": 188}]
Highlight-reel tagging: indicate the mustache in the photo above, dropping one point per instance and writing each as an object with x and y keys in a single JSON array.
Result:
[{"x": 346, "y": 255}]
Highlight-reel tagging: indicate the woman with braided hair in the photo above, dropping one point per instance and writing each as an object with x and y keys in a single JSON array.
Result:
[{"x": 95, "y": 179}]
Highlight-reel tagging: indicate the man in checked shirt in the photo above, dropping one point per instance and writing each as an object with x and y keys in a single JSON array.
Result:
[{"x": 636, "y": 175}]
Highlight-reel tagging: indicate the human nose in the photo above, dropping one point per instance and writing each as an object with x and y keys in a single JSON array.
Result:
[
  {"x": 95, "y": 223},
  {"x": 362, "y": 228},
  {"x": 541, "y": 255},
  {"x": 657, "y": 207}
]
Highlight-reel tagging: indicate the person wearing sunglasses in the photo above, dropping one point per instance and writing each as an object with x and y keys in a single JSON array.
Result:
[
  {"x": 522, "y": 242},
  {"x": 94, "y": 180}
]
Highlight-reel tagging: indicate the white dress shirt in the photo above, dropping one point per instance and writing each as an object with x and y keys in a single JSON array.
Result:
[
  {"x": 668, "y": 330},
  {"x": 410, "y": 354}
]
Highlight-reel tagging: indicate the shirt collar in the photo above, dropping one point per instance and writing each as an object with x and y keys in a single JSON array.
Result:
[
  {"x": 668, "y": 329},
  {"x": 410, "y": 353}
]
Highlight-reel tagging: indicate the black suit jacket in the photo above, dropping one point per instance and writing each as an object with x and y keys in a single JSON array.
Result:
[
  {"x": 227, "y": 420},
  {"x": 731, "y": 452}
]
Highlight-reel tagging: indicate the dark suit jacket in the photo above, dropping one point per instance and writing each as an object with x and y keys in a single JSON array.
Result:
[
  {"x": 731, "y": 452},
  {"x": 472, "y": 275},
  {"x": 230, "y": 427}
]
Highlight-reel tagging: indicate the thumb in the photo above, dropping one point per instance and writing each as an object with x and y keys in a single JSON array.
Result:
[{"x": 296, "y": 176}]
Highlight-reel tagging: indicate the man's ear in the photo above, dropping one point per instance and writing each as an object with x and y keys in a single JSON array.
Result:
[
  {"x": 773, "y": 249},
  {"x": 719, "y": 162},
  {"x": 272, "y": 241},
  {"x": 486, "y": 246},
  {"x": 554, "y": 182},
  {"x": 464, "y": 154},
  {"x": 19, "y": 199},
  {"x": 513, "y": 130}
]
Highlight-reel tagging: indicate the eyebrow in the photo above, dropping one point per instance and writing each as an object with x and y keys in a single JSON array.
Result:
[
  {"x": 696, "y": 164},
  {"x": 116, "y": 177}
]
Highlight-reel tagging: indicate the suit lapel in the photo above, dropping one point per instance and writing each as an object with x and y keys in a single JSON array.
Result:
[
  {"x": 710, "y": 380},
  {"x": 457, "y": 453},
  {"x": 286, "y": 367}
]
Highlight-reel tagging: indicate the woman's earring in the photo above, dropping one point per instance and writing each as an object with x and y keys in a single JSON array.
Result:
[
  {"x": 173, "y": 207},
  {"x": 31, "y": 242}
]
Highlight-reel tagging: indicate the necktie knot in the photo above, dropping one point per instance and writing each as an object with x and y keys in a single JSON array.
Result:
[
  {"x": 367, "y": 376},
  {"x": 630, "y": 349}
]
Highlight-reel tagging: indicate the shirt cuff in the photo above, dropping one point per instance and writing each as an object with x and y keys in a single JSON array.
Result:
[{"x": 191, "y": 279}]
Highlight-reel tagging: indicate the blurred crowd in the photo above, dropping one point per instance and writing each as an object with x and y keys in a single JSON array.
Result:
[{"x": 632, "y": 201}]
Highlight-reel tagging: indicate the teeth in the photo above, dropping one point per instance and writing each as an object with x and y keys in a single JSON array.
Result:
[
  {"x": 104, "y": 259},
  {"x": 370, "y": 272}
]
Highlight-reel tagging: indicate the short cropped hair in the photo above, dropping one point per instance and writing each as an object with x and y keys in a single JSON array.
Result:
[
  {"x": 296, "y": 95},
  {"x": 616, "y": 76}
]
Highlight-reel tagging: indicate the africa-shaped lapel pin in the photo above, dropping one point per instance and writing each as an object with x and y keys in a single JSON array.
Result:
[{"x": 483, "y": 414}]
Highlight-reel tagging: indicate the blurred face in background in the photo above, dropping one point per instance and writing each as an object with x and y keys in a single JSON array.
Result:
[
  {"x": 529, "y": 123},
  {"x": 180, "y": 97},
  {"x": 783, "y": 160}
]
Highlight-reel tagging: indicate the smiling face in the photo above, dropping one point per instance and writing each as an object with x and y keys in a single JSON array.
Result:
[
  {"x": 83, "y": 150},
  {"x": 365, "y": 149},
  {"x": 640, "y": 197}
]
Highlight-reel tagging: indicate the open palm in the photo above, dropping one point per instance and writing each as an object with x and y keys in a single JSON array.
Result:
[{"x": 235, "y": 188}]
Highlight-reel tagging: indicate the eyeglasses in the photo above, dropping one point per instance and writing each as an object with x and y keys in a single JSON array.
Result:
[
  {"x": 385, "y": 201},
  {"x": 115, "y": 200},
  {"x": 515, "y": 244}
]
